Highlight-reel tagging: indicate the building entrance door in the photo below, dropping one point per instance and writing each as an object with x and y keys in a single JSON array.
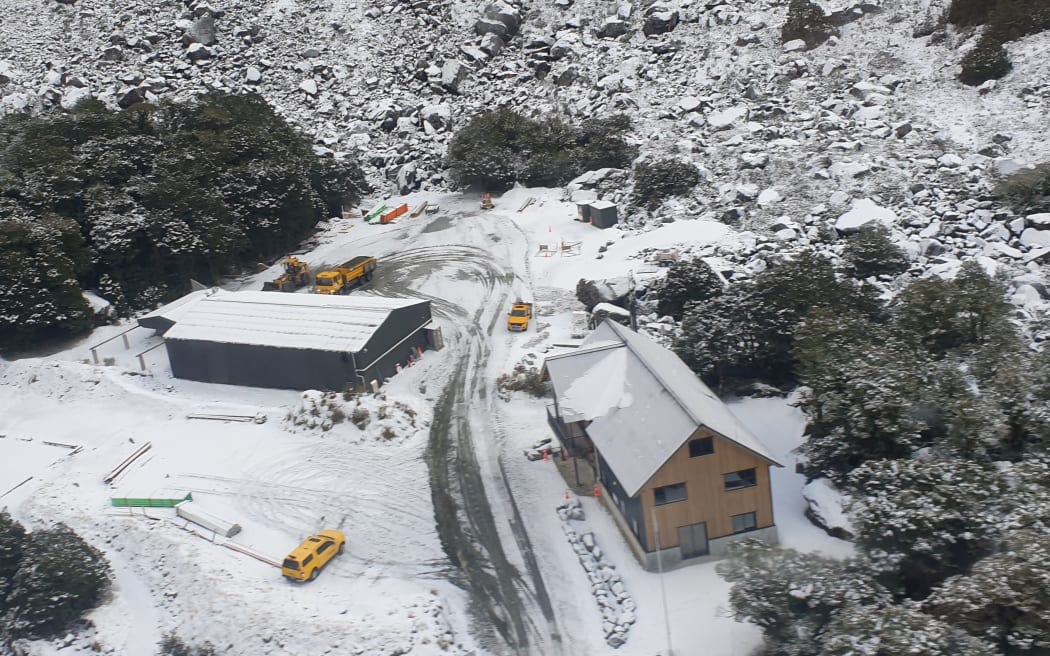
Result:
[{"x": 692, "y": 540}]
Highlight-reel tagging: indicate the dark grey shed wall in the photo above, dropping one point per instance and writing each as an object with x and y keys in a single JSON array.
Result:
[
  {"x": 604, "y": 218},
  {"x": 259, "y": 366},
  {"x": 630, "y": 507}
]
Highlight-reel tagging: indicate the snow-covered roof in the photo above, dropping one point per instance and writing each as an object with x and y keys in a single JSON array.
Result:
[
  {"x": 642, "y": 400},
  {"x": 602, "y": 204},
  {"x": 304, "y": 321}
]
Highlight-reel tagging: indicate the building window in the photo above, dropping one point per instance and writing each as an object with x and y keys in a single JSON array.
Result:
[
  {"x": 740, "y": 479},
  {"x": 669, "y": 494},
  {"x": 744, "y": 523},
  {"x": 704, "y": 446}
]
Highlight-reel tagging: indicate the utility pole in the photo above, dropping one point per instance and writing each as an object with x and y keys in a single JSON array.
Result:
[{"x": 663, "y": 590}]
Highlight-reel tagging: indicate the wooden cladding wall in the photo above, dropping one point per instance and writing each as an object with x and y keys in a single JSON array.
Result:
[{"x": 708, "y": 500}]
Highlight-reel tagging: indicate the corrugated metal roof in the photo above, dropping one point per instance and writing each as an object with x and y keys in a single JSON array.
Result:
[
  {"x": 306, "y": 321},
  {"x": 660, "y": 402}
]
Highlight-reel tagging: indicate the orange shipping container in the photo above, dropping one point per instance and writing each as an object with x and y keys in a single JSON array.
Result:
[{"x": 394, "y": 213}]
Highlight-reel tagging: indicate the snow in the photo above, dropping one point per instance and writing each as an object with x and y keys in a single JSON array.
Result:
[
  {"x": 393, "y": 590},
  {"x": 826, "y": 502},
  {"x": 343, "y": 324},
  {"x": 862, "y": 212}
]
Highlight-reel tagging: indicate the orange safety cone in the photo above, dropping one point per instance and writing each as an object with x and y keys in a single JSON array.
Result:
[
  {"x": 566, "y": 494},
  {"x": 419, "y": 350},
  {"x": 597, "y": 492},
  {"x": 546, "y": 455}
]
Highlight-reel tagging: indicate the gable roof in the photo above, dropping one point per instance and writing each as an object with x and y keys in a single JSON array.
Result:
[
  {"x": 642, "y": 400},
  {"x": 342, "y": 324}
]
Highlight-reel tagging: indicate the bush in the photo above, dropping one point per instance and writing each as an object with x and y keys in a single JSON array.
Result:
[
  {"x": 524, "y": 379},
  {"x": 172, "y": 645},
  {"x": 1028, "y": 190},
  {"x": 685, "y": 282},
  {"x": 987, "y": 61},
  {"x": 655, "y": 182},
  {"x": 806, "y": 21},
  {"x": 12, "y": 542},
  {"x": 871, "y": 252},
  {"x": 136, "y": 203},
  {"x": 923, "y": 521},
  {"x": 59, "y": 577},
  {"x": 965, "y": 13},
  {"x": 498, "y": 148}
]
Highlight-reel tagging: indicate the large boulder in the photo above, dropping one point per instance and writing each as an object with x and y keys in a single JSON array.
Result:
[
  {"x": 202, "y": 31},
  {"x": 863, "y": 212},
  {"x": 407, "y": 181},
  {"x": 452, "y": 74},
  {"x": 659, "y": 19}
]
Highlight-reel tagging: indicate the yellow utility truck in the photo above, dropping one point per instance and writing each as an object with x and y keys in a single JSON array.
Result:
[
  {"x": 296, "y": 274},
  {"x": 343, "y": 279},
  {"x": 518, "y": 319}
]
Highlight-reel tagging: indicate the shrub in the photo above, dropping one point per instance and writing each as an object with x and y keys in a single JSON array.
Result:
[
  {"x": 59, "y": 577},
  {"x": 524, "y": 379},
  {"x": 12, "y": 542},
  {"x": 807, "y": 21},
  {"x": 686, "y": 281},
  {"x": 1028, "y": 190},
  {"x": 987, "y": 61},
  {"x": 655, "y": 182},
  {"x": 871, "y": 252},
  {"x": 495, "y": 149},
  {"x": 360, "y": 417},
  {"x": 965, "y": 13},
  {"x": 172, "y": 645},
  {"x": 105, "y": 200},
  {"x": 923, "y": 521}
]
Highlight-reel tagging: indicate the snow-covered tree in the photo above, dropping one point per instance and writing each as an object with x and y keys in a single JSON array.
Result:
[
  {"x": 792, "y": 596},
  {"x": 12, "y": 541},
  {"x": 920, "y": 521},
  {"x": 871, "y": 252},
  {"x": 895, "y": 630},
  {"x": 686, "y": 281},
  {"x": 861, "y": 388},
  {"x": 1004, "y": 598},
  {"x": 59, "y": 577}
]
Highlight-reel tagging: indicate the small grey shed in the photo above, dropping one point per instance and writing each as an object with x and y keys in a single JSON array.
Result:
[{"x": 599, "y": 213}]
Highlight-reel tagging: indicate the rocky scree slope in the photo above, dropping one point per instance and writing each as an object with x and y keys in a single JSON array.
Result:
[{"x": 795, "y": 144}]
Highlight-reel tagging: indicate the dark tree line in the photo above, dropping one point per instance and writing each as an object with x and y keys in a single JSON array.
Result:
[{"x": 135, "y": 203}]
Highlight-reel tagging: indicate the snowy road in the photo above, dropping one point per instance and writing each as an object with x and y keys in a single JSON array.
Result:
[{"x": 512, "y": 611}]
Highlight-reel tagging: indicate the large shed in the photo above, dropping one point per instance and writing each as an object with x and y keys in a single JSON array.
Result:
[{"x": 290, "y": 341}]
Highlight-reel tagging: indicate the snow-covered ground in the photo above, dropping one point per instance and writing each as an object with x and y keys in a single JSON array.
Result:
[{"x": 394, "y": 591}]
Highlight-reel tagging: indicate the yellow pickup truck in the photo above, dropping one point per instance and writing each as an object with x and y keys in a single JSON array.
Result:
[{"x": 518, "y": 319}]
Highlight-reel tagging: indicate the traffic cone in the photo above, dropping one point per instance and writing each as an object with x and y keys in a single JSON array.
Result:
[
  {"x": 546, "y": 455},
  {"x": 566, "y": 494},
  {"x": 597, "y": 492}
]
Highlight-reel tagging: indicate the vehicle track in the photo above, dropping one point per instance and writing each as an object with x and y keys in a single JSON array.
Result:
[{"x": 503, "y": 601}]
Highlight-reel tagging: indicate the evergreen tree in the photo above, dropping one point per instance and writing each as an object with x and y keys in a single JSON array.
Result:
[
  {"x": 58, "y": 578},
  {"x": 871, "y": 252},
  {"x": 686, "y": 281},
  {"x": 12, "y": 542},
  {"x": 898, "y": 629},
  {"x": 1003, "y": 599},
  {"x": 794, "y": 597},
  {"x": 923, "y": 521},
  {"x": 861, "y": 392}
]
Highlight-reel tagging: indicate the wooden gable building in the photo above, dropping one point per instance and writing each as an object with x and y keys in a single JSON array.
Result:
[{"x": 680, "y": 474}]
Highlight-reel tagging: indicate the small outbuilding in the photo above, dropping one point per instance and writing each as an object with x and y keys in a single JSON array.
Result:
[
  {"x": 599, "y": 213},
  {"x": 291, "y": 341}
]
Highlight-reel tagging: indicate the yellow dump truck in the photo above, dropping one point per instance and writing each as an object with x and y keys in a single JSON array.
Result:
[
  {"x": 343, "y": 279},
  {"x": 518, "y": 319}
]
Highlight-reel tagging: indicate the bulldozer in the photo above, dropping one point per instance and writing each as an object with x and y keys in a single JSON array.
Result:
[{"x": 296, "y": 274}]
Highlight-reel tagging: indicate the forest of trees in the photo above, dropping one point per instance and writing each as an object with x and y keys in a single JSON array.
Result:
[
  {"x": 134, "y": 203},
  {"x": 931, "y": 411}
]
